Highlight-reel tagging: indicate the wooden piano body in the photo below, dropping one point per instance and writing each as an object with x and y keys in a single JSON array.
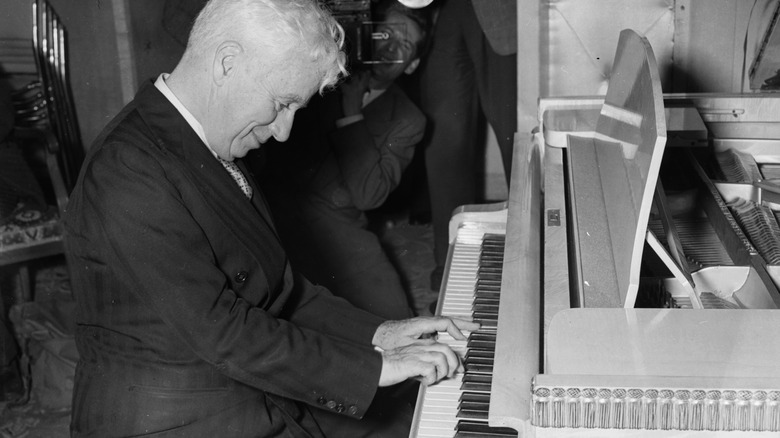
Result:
[{"x": 574, "y": 353}]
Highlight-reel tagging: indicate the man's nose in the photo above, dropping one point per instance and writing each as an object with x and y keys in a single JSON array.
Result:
[{"x": 281, "y": 126}]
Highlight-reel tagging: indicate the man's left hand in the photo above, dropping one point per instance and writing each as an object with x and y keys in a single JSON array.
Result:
[{"x": 394, "y": 334}]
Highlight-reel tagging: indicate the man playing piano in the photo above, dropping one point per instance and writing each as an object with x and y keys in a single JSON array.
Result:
[{"x": 190, "y": 320}]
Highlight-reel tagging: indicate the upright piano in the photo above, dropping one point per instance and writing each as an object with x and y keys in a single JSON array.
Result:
[{"x": 629, "y": 285}]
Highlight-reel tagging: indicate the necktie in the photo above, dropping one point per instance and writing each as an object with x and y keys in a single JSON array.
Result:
[{"x": 238, "y": 176}]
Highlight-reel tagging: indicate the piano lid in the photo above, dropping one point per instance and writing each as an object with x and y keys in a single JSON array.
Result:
[{"x": 613, "y": 175}]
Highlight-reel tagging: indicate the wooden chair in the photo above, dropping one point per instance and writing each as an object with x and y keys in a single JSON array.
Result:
[
  {"x": 34, "y": 232},
  {"x": 45, "y": 120}
]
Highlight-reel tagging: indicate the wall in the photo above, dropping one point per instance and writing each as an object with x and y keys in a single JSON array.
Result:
[
  {"x": 566, "y": 47},
  {"x": 113, "y": 46},
  {"x": 705, "y": 45}
]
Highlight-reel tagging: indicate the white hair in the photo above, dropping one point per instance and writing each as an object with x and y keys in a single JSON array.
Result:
[{"x": 282, "y": 28}]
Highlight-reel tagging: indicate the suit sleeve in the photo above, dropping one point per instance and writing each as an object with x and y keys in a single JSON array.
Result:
[
  {"x": 162, "y": 255},
  {"x": 372, "y": 163}
]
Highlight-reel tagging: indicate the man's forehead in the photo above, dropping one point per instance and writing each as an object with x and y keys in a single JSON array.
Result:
[
  {"x": 402, "y": 25},
  {"x": 295, "y": 82}
]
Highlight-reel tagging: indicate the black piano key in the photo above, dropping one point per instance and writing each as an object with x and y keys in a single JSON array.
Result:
[
  {"x": 475, "y": 386},
  {"x": 492, "y": 263},
  {"x": 489, "y": 276},
  {"x": 481, "y": 344},
  {"x": 486, "y": 292},
  {"x": 487, "y": 359},
  {"x": 482, "y": 335},
  {"x": 476, "y": 382},
  {"x": 480, "y": 397},
  {"x": 477, "y": 367},
  {"x": 485, "y": 316},
  {"x": 488, "y": 284},
  {"x": 490, "y": 324},
  {"x": 474, "y": 409},
  {"x": 487, "y": 300},
  {"x": 479, "y": 353},
  {"x": 484, "y": 357},
  {"x": 480, "y": 429},
  {"x": 485, "y": 308}
]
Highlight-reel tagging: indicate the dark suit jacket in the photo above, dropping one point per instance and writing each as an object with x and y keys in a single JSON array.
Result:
[{"x": 190, "y": 320}]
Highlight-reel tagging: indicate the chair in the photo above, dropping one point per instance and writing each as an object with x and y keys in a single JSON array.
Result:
[
  {"x": 33, "y": 232},
  {"x": 45, "y": 120}
]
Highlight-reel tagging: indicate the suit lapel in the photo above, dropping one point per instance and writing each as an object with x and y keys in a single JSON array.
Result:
[{"x": 217, "y": 188}]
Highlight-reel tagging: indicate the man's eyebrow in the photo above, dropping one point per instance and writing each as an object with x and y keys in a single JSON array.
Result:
[{"x": 294, "y": 98}]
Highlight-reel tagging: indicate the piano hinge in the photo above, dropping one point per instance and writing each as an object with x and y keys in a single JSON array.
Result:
[{"x": 554, "y": 217}]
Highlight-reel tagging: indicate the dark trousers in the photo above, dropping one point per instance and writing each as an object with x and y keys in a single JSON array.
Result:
[{"x": 463, "y": 79}]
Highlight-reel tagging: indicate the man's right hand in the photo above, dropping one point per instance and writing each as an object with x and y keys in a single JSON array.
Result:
[{"x": 425, "y": 360}]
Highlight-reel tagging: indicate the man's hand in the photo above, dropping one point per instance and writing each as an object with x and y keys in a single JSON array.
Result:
[
  {"x": 352, "y": 91},
  {"x": 394, "y": 334},
  {"x": 426, "y": 360}
]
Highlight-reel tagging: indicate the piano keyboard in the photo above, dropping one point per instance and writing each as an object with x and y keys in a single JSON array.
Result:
[{"x": 458, "y": 407}]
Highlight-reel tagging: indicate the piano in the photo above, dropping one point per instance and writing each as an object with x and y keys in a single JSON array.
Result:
[{"x": 628, "y": 287}]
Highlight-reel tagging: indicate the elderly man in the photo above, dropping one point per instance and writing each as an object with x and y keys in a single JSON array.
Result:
[{"x": 190, "y": 321}]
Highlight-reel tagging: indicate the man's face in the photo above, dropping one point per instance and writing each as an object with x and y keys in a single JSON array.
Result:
[
  {"x": 397, "y": 51},
  {"x": 253, "y": 106}
]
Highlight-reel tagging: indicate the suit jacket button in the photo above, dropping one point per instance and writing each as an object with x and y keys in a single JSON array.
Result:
[
  {"x": 352, "y": 410},
  {"x": 241, "y": 276},
  {"x": 321, "y": 400},
  {"x": 340, "y": 408},
  {"x": 331, "y": 404}
]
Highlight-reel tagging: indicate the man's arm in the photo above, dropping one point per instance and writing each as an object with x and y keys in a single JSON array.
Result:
[
  {"x": 373, "y": 152},
  {"x": 161, "y": 253}
]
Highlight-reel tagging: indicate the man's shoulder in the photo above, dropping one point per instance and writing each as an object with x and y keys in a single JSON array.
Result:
[{"x": 135, "y": 124}]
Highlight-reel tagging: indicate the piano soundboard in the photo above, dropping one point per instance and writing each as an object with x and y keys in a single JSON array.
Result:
[{"x": 625, "y": 305}]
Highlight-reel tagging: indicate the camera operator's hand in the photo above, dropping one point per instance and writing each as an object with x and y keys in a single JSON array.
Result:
[{"x": 352, "y": 91}]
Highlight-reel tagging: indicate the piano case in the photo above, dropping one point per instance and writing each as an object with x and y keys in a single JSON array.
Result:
[{"x": 573, "y": 354}]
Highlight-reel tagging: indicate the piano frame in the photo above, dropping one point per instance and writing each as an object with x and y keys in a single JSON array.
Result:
[{"x": 551, "y": 345}]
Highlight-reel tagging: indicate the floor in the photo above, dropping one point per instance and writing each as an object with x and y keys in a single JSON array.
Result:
[{"x": 410, "y": 247}]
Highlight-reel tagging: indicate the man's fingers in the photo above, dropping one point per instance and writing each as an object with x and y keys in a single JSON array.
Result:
[
  {"x": 457, "y": 326},
  {"x": 434, "y": 366},
  {"x": 425, "y": 360},
  {"x": 453, "y": 326}
]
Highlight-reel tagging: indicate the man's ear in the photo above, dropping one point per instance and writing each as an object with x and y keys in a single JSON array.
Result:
[
  {"x": 226, "y": 60},
  {"x": 412, "y": 66}
]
